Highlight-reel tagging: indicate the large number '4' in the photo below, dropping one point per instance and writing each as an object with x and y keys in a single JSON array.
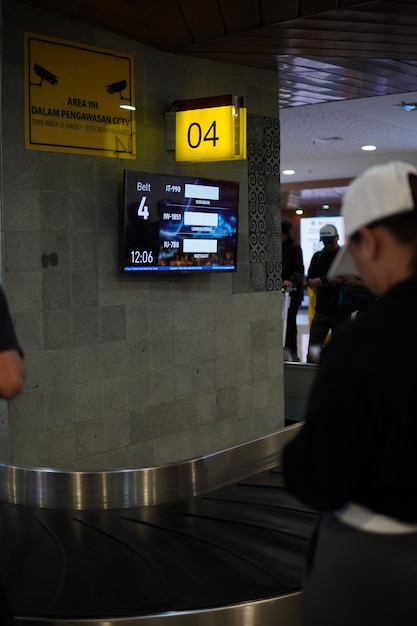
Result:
[
  {"x": 211, "y": 134},
  {"x": 143, "y": 209}
]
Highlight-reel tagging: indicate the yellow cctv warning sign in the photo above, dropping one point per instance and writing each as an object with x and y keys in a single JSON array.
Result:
[{"x": 78, "y": 98}]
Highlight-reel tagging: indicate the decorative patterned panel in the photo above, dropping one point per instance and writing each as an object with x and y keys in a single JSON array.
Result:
[{"x": 264, "y": 204}]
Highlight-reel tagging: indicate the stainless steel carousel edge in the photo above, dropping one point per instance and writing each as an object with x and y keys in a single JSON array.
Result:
[
  {"x": 278, "y": 611},
  {"x": 128, "y": 488}
]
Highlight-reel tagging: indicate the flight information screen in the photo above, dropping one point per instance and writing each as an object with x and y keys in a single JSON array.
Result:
[{"x": 174, "y": 223}]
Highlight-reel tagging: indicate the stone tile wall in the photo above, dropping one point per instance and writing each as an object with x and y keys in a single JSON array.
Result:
[{"x": 126, "y": 371}]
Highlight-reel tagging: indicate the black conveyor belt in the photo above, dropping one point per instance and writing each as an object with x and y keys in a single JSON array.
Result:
[{"x": 236, "y": 544}]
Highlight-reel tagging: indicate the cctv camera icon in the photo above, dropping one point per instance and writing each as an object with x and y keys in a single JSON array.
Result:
[
  {"x": 44, "y": 75},
  {"x": 117, "y": 88}
]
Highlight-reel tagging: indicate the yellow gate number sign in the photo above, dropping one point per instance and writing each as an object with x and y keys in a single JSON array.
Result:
[{"x": 210, "y": 133}]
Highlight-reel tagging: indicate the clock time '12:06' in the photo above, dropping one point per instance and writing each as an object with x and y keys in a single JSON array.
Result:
[{"x": 142, "y": 257}]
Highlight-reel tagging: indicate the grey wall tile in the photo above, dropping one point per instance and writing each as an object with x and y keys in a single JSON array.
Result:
[
  {"x": 59, "y": 406},
  {"x": 56, "y": 290},
  {"x": 63, "y": 455},
  {"x": 29, "y": 329},
  {"x": 21, "y": 210},
  {"x": 55, "y": 251},
  {"x": 85, "y": 325},
  {"x": 161, "y": 386},
  {"x": 82, "y": 211},
  {"x": 54, "y": 210},
  {"x": 113, "y": 398},
  {"x": 5, "y": 451},
  {"x": 35, "y": 370},
  {"x": 84, "y": 288},
  {"x": 139, "y": 389},
  {"x": 22, "y": 251},
  {"x": 112, "y": 323},
  {"x": 54, "y": 172},
  {"x": 83, "y": 248},
  {"x": 57, "y": 329},
  {"x": 58, "y": 368},
  {"x": 117, "y": 459},
  {"x": 162, "y": 350},
  {"x": 24, "y": 290},
  {"x": 88, "y": 403},
  {"x": 92, "y": 463},
  {"x": 31, "y": 450},
  {"x": 90, "y": 438},
  {"x": 116, "y": 432},
  {"x": 194, "y": 346},
  {"x": 87, "y": 363},
  {"x": 20, "y": 169},
  {"x": 142, "y": 455},
  {"x": 113, "y": 360},
  {"x": 141, "y": 426}
]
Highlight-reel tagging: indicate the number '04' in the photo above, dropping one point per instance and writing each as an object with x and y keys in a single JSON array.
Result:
[{"x": 195, "y": 134}]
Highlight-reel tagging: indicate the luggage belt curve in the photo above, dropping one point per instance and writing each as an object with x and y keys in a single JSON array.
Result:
[{"x": 225, "y": 520}]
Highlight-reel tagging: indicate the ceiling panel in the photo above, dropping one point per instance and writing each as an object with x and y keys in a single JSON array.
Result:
[
  {"x": 353, "y": 49},
  {"x": 203, "y": 19},
  {"x": 333, "y": 53}
]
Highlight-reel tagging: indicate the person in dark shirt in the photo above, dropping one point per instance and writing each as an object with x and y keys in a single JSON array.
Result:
[
  {"x": 12, "y": 378},
  {"x": 327, "y": 314},
  {"x": 12, "y": 369},
  {"x": 292, "y": 281},
  {"x": 354, "y": 458}
]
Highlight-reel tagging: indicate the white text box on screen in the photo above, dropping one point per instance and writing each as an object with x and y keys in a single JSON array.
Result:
[
  {"x": 203, "y": 192},
  {"x": 200, "y": 245},
  {"x": 200, "y": 219}
]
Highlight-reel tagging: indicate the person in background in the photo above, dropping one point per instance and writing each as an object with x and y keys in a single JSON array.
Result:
[
  {"x": 292, "y": 281},
  {"x": 354, "y": 458},
  {"x": 12, "y": 379},
  {"x": 327, "y": 315}
]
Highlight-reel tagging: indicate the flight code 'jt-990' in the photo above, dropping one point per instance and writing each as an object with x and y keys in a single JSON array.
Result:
[{"x": 173, "y": 188}]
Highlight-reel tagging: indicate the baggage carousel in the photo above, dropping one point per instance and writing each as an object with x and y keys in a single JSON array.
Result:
[{"x": 215, "y": 538}]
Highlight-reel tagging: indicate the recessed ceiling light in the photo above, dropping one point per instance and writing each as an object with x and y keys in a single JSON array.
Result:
[
  {"x": 368, "y": 148},
  {"x": 299, "y": 211},
  {"x": 288, "y": 172},
  {"x": 325, "y": 206}
]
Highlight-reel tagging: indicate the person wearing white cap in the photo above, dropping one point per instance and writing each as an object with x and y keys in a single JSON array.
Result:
[
  {"x": 327, "y": 315},
  {"x": 355, "y": 457}
]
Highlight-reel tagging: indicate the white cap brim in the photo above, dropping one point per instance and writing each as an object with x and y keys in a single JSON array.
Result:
[{"x": 343, "y": 264}]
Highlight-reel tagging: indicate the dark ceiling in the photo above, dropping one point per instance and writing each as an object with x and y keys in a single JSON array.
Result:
[{"x": 324, "y": 50}]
